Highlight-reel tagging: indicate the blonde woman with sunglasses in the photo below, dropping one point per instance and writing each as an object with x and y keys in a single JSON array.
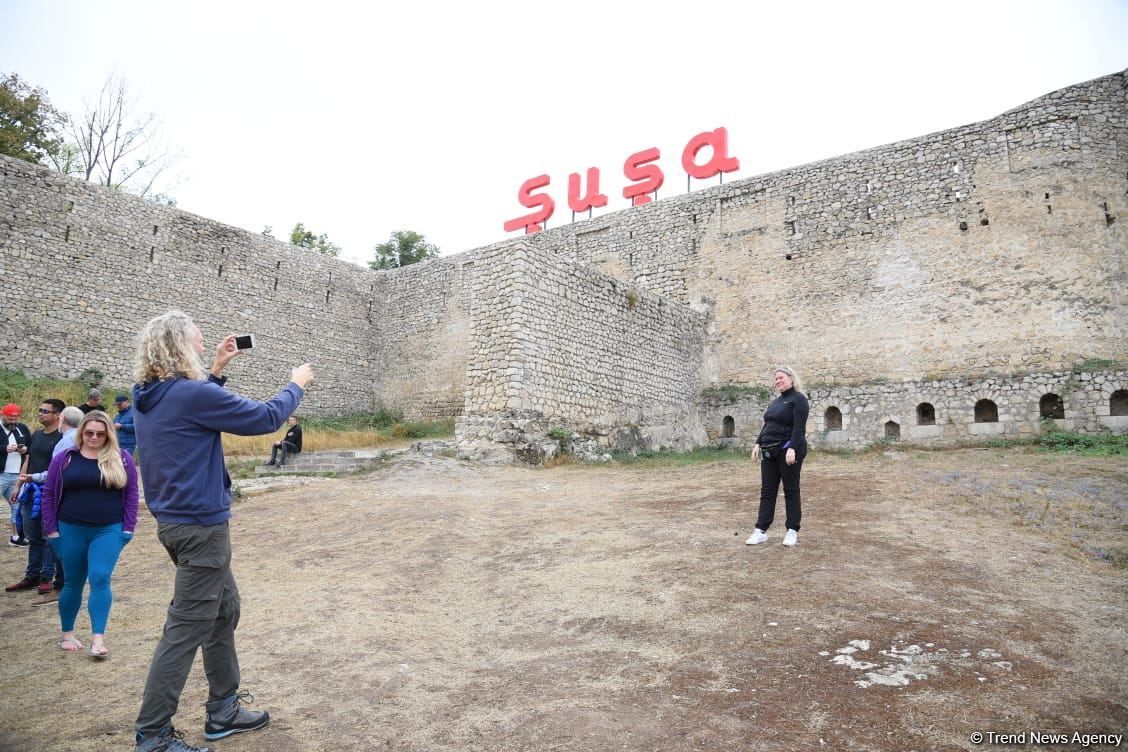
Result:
[{"x": 89, "y": 515}]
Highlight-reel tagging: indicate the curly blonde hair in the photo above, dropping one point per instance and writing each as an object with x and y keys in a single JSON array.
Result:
[
  {"x": 165, "y": 348},
  {"x": 109, "y": 456}
]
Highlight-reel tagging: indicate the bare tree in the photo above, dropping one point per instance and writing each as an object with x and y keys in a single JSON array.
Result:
[{"x": 114, "y": 146}]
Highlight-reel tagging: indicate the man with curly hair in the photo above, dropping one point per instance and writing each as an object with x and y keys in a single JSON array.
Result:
[{"x": 181, "y": 412}]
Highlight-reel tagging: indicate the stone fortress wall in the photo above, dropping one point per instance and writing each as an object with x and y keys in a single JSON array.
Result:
[
  {"x": 982, "y": 250},
  {"x": 964, "y": 262},
  {"x": 84, "y": 267}
]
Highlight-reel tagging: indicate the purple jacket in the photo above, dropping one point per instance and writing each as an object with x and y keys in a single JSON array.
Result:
[{"x": 55, "y": 481}]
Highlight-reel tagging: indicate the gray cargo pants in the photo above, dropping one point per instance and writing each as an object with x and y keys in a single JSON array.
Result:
[{"x": 204, "y": 613}]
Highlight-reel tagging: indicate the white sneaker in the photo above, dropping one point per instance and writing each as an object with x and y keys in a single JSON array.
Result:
[
  {"x": 757, "y": 537},
  {"x": 791, "y": 538}
]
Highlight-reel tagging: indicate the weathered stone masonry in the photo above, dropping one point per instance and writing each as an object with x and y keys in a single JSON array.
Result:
[{"x": 978, "y": 262}]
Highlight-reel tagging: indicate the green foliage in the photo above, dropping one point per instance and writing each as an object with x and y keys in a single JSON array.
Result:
[
  {"x": 559, "y": 433},
  {"x": 29, "y": 124},
  {"x": 353, "y": 421},
  {"x": 1091, "y": 445},
  {"x": 29, "y": 392},
  {"x": 389, "y": 423},
  {"x": 402, "y": 248},
  {"x": 92, "y": 377},
  {"x": 1099, "y": 364},
  {"x": 304, "y": 238},
  {"x": 734, "y": 393}
]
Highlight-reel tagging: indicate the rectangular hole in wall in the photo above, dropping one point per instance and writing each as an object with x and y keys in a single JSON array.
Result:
[
  {"x": 152, "y": 251},
  {"x": 66, "y": 235},
  {"x": 276, "y": 283},
  {"x": 327, "y": 297},
  {"x": 220, "y": 271},
  {"x": 278, "y": 265},
  {"x": 155, "y": 228},
  {"x": 70, "y": 207},
  {"x": 790, "y": 228}
]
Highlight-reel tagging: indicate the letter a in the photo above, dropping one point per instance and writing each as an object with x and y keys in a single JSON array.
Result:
[
  {"x": 649, "y": 177},
  {"x": 530, "y": 200},
  {"x": 720, "y": 161},
  {"x": 592, "y": 199}
]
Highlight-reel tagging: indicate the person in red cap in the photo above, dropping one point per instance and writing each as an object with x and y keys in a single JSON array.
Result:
[{"x": 16, "y": 437}]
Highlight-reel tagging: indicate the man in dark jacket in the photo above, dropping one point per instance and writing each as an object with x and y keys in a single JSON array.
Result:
[
  {"x": 181, "y": 414},
  {"x": 123, "y": 424},
  {"x": 42, "y": 566},
  {"x": 291, "y": 443}
]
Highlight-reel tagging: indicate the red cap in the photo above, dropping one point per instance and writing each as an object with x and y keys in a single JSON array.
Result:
[{"x": 12, "y": 410}]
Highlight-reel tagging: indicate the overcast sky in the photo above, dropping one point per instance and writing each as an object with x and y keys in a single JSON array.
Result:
[{"x": 429, "y": 115}]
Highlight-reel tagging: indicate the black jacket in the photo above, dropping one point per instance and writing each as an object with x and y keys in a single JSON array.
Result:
[
  {"x": 785, "y": 421},
  {"x": 294, "y": 436}
]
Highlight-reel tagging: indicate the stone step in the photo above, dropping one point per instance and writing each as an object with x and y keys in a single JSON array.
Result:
[{"x": 343, "y": 461}]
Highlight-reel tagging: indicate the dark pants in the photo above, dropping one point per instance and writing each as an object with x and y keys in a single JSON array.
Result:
[
  {"x": 773, "y": 471},
  {"x": 204, "y": 613},
  {"x": 286, "y": 447},
  {"x": 41, "y": 560}
]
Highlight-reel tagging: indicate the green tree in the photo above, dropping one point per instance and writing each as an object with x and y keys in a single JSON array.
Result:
[
  {"x": 403, "y": 247},
  {"x": 29, "y": 124},
  {"x": 304, "y": 238}
]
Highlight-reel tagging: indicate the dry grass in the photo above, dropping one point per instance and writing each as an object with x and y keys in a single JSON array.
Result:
[{"x": 313, "y": 440}]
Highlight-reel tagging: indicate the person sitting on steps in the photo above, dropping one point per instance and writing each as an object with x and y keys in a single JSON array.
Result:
[{"x": 291, "y": 443}]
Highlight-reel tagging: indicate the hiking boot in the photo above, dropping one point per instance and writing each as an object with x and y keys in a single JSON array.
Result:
[
  {"x": 15, "y": 540},
  {"x": 27, "y": 583},
  {"x": 228, "y": 716},
  {"x": 759, "y": 536},
  {"x": 791, "y": 538},
  {"x": 167, "y": 739}
]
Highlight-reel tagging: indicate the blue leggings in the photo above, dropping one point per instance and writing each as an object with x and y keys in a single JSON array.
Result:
[{"x": 88, "y": 552}]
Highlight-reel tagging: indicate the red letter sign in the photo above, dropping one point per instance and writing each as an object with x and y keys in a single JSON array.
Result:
[
  {"x": 593, "y": 198},
  {"x": 650, "y": 177},
  {"x": 720, "y": 162},
  {"x": 531, "y": 222}
]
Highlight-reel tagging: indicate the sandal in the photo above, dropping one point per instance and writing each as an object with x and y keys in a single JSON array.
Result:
[
  {"x": 70, "y": 644},
  {"x": 102, "y": 655}
]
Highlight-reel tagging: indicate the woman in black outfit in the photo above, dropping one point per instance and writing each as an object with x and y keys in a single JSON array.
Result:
[{"x": 781, "y": 447}]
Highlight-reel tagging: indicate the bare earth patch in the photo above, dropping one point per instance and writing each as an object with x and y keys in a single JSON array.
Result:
[{"x": 437, "y": 605}]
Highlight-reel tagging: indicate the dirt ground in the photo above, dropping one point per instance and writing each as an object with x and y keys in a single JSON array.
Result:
[{"x": 438, "y": 605}]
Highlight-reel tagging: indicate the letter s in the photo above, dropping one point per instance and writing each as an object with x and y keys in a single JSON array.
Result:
[{"x": 530, "y": 200}]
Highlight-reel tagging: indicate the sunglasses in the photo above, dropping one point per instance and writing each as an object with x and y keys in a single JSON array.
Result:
[
  {"x": 93, "y": 434},
  {"x": 45, "y": 411}
]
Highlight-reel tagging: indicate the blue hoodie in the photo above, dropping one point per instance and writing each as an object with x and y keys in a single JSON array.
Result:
[
  {"x": 126, "y": 435},
  {"x": 178, "y": 422}
]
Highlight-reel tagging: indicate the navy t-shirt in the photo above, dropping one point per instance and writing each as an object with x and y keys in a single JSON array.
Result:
[{"x": 85, "y": 501}]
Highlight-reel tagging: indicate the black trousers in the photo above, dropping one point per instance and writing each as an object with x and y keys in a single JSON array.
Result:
[
  {"x": 774, "y": 471},
  {"x": 286, "y": 447}
]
